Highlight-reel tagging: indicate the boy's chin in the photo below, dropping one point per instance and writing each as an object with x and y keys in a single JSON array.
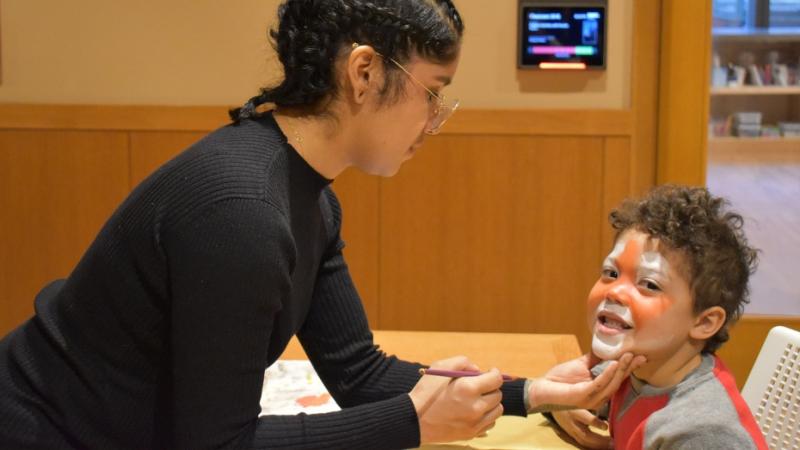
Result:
[{"x": 608, "y": 348}]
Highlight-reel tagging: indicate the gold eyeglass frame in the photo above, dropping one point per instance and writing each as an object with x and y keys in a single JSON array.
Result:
[{"x": 441, "y": 113}]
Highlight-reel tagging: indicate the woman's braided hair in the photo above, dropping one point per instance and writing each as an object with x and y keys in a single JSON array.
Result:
[
  {"x": 311, "y": 34},
  {"x": 711, "y": 238}
]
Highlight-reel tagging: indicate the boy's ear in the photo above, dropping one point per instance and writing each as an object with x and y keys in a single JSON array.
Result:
[{"x": 707, "y": 323}]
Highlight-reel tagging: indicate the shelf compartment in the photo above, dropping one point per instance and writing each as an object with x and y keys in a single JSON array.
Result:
[
  {"x": 756, "y": 90},
  {"x": 732, "y": 143}
]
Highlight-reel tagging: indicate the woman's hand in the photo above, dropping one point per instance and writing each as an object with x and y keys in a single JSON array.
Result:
[
  {"x": 576, "y": 424},
  {"x": 570, "y": 385},
  {"x": 454, "y": 409}
]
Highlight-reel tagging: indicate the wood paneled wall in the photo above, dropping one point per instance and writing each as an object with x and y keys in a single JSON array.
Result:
[
  {"x": 56, "y": 190},
  {"x": 496, "y": 225},
  {"x": 499, "y": 224}
]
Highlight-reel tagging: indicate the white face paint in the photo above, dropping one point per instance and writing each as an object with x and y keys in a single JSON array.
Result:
[
  {"x": 603, "y": 345},
  {"x": 653, "y": 265},
  {"x": 608, "y": 345},
  {"x": 615, "y": 252},
  {"x": 639, "y": 304}
]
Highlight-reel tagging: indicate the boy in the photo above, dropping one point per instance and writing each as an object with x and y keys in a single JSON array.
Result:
[{"x": 673, "y": 284}]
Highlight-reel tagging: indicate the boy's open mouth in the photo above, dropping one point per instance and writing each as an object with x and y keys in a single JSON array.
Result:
[{"x": 610, "y": 322}]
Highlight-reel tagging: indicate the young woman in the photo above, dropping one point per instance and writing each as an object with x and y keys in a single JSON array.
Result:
[{"x": 160, "y": 336}]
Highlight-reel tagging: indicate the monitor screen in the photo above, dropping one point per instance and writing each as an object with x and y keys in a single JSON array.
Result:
[{"x": 567, "y": 37}]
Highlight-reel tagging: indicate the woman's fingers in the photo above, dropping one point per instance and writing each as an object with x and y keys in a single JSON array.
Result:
[
  {"x": 605, "y": 379},
  {"x": 453, "y": 363},
  {"x": 482, "y": 384},
  {"x": 487, "y": 422},
  {"x": 486, "y": 430},
  {"x": 637, "y": 362},
  {"x": 609, "y": 381},
  {"x": 489, "y": 401}
]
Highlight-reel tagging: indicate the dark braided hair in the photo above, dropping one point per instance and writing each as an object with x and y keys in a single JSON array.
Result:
[
  {"x": 311, "y": 34},
  {"x": 698, "y": 225}
]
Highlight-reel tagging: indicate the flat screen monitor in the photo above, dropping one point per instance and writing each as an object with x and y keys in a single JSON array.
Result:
[{"x": 562, "y": 36}]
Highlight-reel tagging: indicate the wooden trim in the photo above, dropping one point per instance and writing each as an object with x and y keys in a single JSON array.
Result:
[
  {"x": 207, "y": 118},
  {"x": 747, "y": 337},
  {"x": 644, "y": 94},
  {"x": 684, "y": 91},
  {"x": 722, "y": 145},
  {"x": 112, "y": 117},
  {"x": 756, "y": 90},
  {"x": 541, "y": 122},
  {"x": 774, "y": 320},
  {"x": 1, "y": 57}
]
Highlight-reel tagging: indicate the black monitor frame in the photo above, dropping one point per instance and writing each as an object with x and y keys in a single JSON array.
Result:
[{"x": 522, "y": 22}]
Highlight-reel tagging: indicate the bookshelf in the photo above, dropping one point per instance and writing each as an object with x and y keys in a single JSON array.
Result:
[
  {"x": 756, "y": 34},
  {"x": 761, "y": 144},
  {"x": 758, "y": 51},
  {"x": 756, "y": 90}
]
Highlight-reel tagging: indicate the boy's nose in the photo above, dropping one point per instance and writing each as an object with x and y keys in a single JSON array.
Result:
[{"x": 620, "y": 293}]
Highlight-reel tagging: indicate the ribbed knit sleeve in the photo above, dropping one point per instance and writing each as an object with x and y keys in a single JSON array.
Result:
[
  {"x": 387, "y": 424},
  {"x": 338, "y": 341},
  {"x": 229, "y": 271},
  {"x": 339, "y": 344}
]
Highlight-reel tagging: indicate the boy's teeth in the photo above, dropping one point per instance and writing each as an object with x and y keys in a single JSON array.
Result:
[{"x": 615, "y": 324}]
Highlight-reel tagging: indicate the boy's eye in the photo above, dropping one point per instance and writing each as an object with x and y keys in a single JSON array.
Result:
[
  {"x": 608, "y": 272},
  {"x": 651, "y": 285}
]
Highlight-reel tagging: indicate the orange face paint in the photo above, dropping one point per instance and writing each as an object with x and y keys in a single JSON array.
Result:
[{"x": 631, "y": 306}]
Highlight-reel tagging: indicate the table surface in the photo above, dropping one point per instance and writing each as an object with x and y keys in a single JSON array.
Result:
[{"x": 526, "y": 355}]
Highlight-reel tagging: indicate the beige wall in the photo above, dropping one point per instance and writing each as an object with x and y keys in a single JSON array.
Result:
[{"x": 208, "y": 52}]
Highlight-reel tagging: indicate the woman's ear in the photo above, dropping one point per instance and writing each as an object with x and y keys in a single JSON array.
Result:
[
  {"x": 362, "y": 70},
  {"x": 707, "y": 323}
]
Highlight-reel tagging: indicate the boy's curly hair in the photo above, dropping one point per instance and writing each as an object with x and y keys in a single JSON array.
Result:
[{"x": 698, "y": 225}]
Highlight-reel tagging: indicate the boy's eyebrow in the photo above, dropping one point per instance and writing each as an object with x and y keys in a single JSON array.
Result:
[
  {"x": 610, "y": 259},
  {"x": 444, "y": 79},
  {"x": 647, "y": 270},
  {"x": 658, "y": 260}
]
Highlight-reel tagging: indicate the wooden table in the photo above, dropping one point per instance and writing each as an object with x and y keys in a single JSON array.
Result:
[{"x": 526, "y": 355}]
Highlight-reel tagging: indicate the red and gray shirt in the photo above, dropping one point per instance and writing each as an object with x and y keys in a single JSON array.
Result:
[{"x": 704, "y": 411}]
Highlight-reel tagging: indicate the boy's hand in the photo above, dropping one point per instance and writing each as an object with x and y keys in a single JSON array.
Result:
[
  {"x": 576, "y": 424},
  {"x": 570, "y": 385}
]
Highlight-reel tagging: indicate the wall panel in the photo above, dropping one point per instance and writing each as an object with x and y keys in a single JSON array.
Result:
[
  {"x": 57, "y": 188},
  {"x": 489, "y": 228},
  {"x": 616, "y": 183},
  {"x": 359, "y": 195},
  {"x": 492, "y": 233},
  {"x": 151, "y": 149}
]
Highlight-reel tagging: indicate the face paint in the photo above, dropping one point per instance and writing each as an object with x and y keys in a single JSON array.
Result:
[
  {"x": 632, "y": 307},
  {"x": 653, "y": 267},
  {"x": 607, "y": 340}
]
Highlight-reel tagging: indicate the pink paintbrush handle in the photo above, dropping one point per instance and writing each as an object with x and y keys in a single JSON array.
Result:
[{"x": 459, "y": 373}]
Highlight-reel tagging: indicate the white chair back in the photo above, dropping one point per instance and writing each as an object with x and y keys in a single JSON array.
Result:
[{"x": 772, "y": 390}]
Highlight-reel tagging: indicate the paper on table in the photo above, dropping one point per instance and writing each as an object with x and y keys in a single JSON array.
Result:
[{"x": 293, "y": 387}]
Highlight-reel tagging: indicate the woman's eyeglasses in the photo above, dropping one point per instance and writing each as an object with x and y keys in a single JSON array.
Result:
[{"x": 442, "y": 109}]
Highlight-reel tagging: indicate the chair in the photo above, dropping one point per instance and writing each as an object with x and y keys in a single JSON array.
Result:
[{"x": 772, "y": 390}]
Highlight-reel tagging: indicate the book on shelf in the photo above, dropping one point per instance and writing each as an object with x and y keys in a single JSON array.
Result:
[{"x": 754, "y": 75}]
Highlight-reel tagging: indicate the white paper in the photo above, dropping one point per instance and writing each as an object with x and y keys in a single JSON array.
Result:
[{"x": 293, "y": 387}]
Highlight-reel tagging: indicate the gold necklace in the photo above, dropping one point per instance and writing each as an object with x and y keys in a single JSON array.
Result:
[
  {"x": 292, "y": 130},
  {"x": 297, "y": 136}
]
